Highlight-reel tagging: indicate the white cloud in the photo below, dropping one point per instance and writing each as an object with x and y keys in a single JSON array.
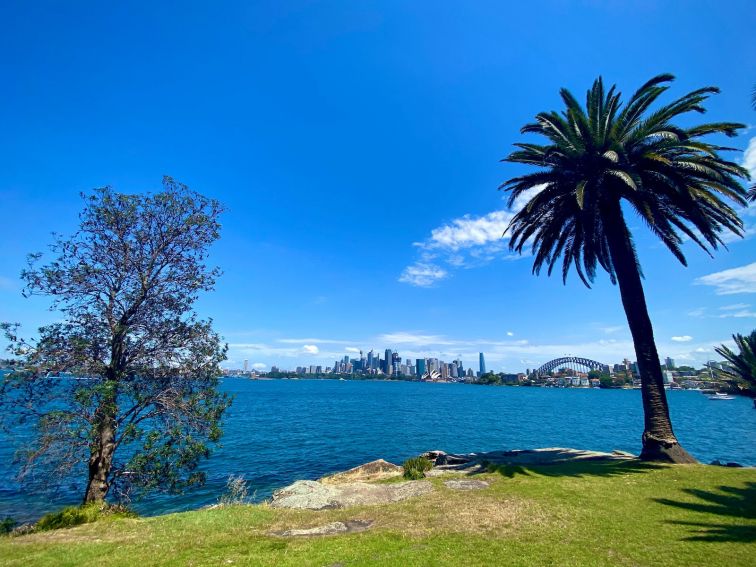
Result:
[
  {"x": 682, "y": 339},
  {"x": 466, "y": 241},
  {"x": 510, "y": 334},
  {"x": 310, "y": 349},
  {"x": 734, "y": 280},
  {"x": 259, "y": 366},
  {"x": 749, "y": 158},
  {"x": 408, "y": 338},
  {"x": 312, "y": 340},
  {"x": 467, "y": 231},
  {"x": 351, "y": 349},
  {"x": 613, "y": 329},
  {"x": 422, "y": 274},
  {"x": 734, "y": 307}
]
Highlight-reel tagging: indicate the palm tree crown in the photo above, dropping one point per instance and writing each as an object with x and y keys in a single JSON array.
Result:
[
  {"x": 605, "y": 153},
  {"x": 742, "y": 364}
]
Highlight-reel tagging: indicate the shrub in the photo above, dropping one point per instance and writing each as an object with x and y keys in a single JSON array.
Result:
[
  {"x": 236, "y": 491},
  {"x": 6, "y": 525},
  {"x": 77, "y": 515},
  {"x": 416, "y": 467}
]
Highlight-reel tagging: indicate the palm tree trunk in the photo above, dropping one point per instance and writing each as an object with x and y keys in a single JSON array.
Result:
[{"x": 659, "y": 441}]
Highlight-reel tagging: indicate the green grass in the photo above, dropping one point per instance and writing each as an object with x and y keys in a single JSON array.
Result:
[{"x": 578, "y": 514}]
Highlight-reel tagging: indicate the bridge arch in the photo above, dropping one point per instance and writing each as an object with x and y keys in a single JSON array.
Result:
[{"x": 570, "y": 362}]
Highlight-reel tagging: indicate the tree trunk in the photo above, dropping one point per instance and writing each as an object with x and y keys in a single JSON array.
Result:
[
  {"x": 659, "y": 441},
  {"x": 102, "y": 449}
]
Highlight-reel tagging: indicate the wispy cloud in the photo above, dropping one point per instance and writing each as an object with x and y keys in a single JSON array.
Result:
[
  {"x": 310, "y": 349},
  {"x": 312, "y": 340},
  {"x": 737, "y": 311},
  {"x": 259, "y": 366},
  {"x": 422, "y": 274},
  {"x": 732, "y": 281},
  {"x": 466, "y": 241},
  {"x": 682, "y": 339}
]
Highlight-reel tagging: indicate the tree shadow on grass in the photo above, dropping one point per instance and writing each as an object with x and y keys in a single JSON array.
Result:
[
  {"x": 738, "y": 503},
  {"x": 582, "y": 468}
]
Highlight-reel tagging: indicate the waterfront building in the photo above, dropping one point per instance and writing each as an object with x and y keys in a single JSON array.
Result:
[
  {"x": 669, "y": 363},
  {"x": 419, "y": 367},
  {"x": 482, "y": 364},
  {"x": 246, "y": 365}
]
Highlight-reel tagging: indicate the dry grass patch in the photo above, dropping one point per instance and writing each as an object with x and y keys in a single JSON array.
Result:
[{"x": 447, "y": 511}]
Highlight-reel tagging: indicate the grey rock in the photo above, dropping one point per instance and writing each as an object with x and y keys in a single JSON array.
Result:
[
  {"x": 312, "y": 495},
  {"x": 333, "y": 528},
  {"x": 466, "y": 484}
]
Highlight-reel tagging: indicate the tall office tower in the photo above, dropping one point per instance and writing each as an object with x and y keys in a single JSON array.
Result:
[
  {"x": 420, "y": 367},
  {"x": 668, "y": 362},
  {"x": 387, "y": 362},
  {"x": 370, "y": 359},
  {"x": 460, "y": 368},
  {"x": 246, "y": 365},
  {"x": 482, "y": 364},
  {"x": 453, "y": 369}
]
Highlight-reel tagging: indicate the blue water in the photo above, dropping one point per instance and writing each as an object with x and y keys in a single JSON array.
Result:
[{"x": 279, "y": 431}]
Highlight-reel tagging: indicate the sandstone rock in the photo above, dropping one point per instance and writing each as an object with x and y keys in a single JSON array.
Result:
[
  {"x": 333, "y": 528},
  {"x": 312, "y": 495},
  {"x": 374, "y": 470},
  {"x": 466, "y": 484}
]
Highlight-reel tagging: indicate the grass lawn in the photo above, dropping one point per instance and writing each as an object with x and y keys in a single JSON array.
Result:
[{"x": 577, "y": 514}]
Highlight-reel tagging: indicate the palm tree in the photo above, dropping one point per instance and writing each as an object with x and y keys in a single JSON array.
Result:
[
  {"x": 742, "y": 365},
  {"x": 597, "y": 159}
]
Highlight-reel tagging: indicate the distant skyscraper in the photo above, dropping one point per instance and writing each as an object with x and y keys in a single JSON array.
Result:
[
  {"x": 420, "y": 367},
  {"x": 669, "y": 363},
  {"x": 387, "y": 362},
  {"x": 482, "y": 364},
  {"x": 246, "y": 365}
]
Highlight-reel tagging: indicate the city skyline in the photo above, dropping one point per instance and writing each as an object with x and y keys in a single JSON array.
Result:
[{"x": 370, "y": 362}]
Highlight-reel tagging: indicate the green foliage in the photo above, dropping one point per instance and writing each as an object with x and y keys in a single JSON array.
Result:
[
  {"x": 77, "y": 515},
  {"x": 6, "y": 525},
  {"x": 742, "y": 364},
  {"x": 125, "y": 285},
  {"x": 416, "y": 467},
  {"x": 597, "y": 156}
]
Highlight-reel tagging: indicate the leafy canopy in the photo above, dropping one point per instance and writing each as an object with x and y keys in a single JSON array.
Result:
[
  {"x": 124, "y": 284},
  {"x": 606, "y": 152},
  {"x": 742, "y": 364}
]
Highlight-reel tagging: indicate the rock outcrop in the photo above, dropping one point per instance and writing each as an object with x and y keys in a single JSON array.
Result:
[
  {"x": 372, "y": 471},
  {"x": 313, "y": 495},
  {"x": 333, "y": 528}
]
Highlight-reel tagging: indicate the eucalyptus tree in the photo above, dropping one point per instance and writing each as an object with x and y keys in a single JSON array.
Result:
[
  {"x": 122, "y": 392},
  {"x": 603, "y": 162},
  {"x": 741, "y": 365}
]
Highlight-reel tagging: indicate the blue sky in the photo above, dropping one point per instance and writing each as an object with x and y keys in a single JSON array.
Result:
[{"x": 356, "y": 145}]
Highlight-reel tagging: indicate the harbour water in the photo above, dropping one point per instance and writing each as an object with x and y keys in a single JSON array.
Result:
[{"x": 279, "y": 431}]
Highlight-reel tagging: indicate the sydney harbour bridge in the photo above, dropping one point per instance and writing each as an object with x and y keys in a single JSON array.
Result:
[{"x": 576, "y": 363}]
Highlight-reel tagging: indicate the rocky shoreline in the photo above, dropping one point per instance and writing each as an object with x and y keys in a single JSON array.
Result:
[{"x": 362, "y": 485}]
